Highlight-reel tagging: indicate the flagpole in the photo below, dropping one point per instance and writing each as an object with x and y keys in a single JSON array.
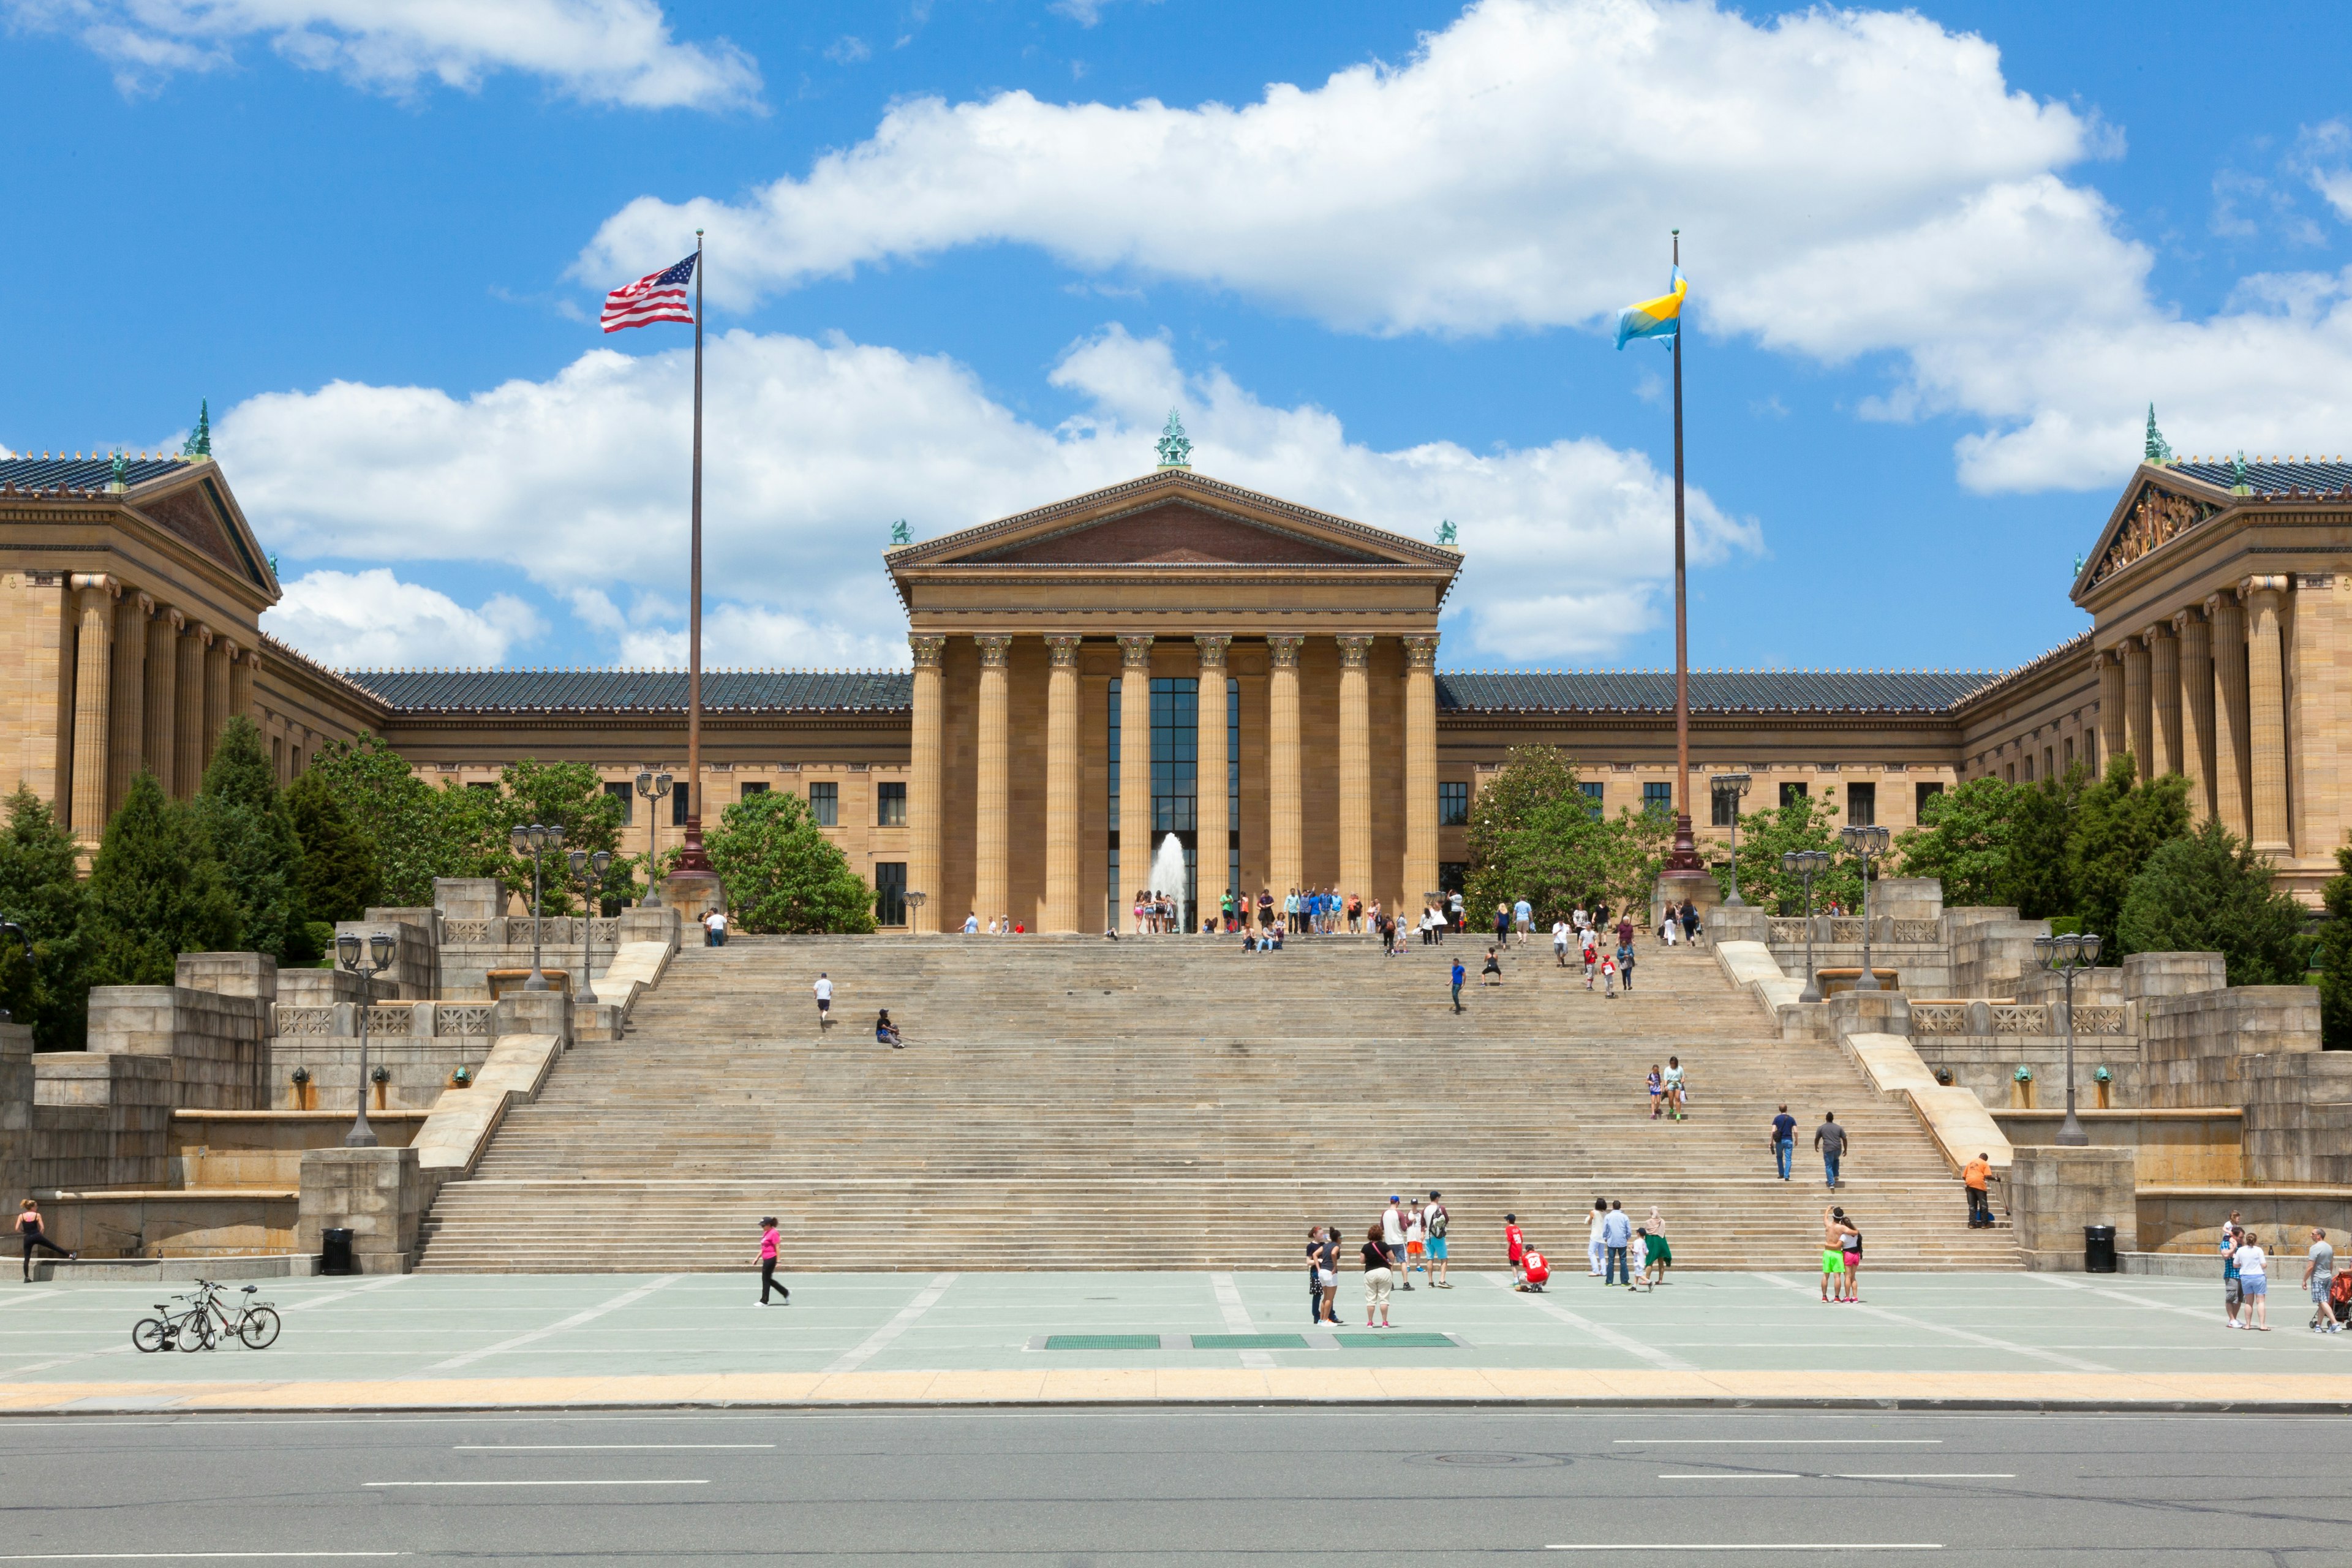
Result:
[
  {"x": 1685, "y": 857},
  {"x": 691, "y": 861}
]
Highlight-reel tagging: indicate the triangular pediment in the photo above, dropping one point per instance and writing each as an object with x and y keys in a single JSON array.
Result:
[
  {"x": 195, "y": 506},
  {"x": 1175, "y": 532},
  {"x": 2151, "y": 515}
]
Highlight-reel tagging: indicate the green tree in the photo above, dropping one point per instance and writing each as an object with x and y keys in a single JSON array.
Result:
[
  {"x": 781, "y": 874},
  {"x": 2210, "y": 892},
  {"x": 2041, "y": 879},
  {"x": 155, "y": 891},
  {"x": 2336, "y": 958},
  {"x": 1964, "y": 840},
  {"x": 566, "y": 794},
  {"x": 420, "y": 832},
  {"x": 252, "y": 835},
  {"x": 42, "y": 891},
  {"x": 1805, "y": 821},
  {"x": 2118, "y": 823},
  {"x": 1534, "y": 833},
  {"x": 341, "y": 877}
]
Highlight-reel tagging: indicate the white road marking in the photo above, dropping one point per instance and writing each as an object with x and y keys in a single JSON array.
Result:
[
  {"x": 633, "y": 1482},
  {"x": 1237, "y": 1318},
  {"x": 1601, "y": 1332},
  {"x": 174, "y": 1556},
  {"x": 1816, "y": 1442},
  {"x": 574, "y": 1321},
  {"x": 2203, "y": 1313},
  {"x": 1762, "y": 1546},
  {"x": 1732, "y": 1475},
  {"x": 2073, "y": 1364},
  {"x": 577, "y": 1447},
  {"x": 851, "y": 1359},
  {"x": 332, "y": 1296},
  {"x": 1925, "y": 1476}
]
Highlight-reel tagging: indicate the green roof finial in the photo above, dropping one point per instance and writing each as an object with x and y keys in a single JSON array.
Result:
[
  {"x": 1175, "y": 450},
  {"x": 118, "y": 475},
  {"x": 2238, "y": 483},
  {"x": 2160, "y": 450},
  {"x": 1446, "y": 534},
  {"x": 200, "y": 445},
  {"x": 900, "y": 533}
]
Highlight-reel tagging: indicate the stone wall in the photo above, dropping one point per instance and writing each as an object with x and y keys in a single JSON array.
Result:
[
  {"x": 420, "y": 1045},
  {"x": 16, "y": 1109},
  {"x": 2054, "y": 1193},
  {"x": 212, "y": 1027},
  {"x": 263, "y": 1149},
  {"x": 2168, "y": 1147},
  {"x": 100, "y": 1121},
  {"x": 379, "y": 1194}
]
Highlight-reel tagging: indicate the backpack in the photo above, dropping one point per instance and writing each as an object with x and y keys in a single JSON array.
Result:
[{"x": 1435, "y": 1220}]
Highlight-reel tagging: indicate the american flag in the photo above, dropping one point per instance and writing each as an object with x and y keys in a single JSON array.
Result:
[{"x": 656, "y": 297}]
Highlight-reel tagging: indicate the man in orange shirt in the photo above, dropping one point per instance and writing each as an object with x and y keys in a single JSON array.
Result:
[{"x": 1975, "y": 1175}]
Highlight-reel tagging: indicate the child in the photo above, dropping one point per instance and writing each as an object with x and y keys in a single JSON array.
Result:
[
  {"x": 1592, "y": 958},
  {"x": 1515, "y": 1245},
  {"x": 1642, "y": 1245},
  {"x": 1537, "y": 1272},
  {"x": 1657, "y": 1089},
  {"x": 1416, "y": 1245},
  {"x": 1609, "y": 978}
]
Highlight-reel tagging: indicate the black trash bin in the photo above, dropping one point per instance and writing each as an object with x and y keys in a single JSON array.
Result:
[
  {"x": 335, "y": 1252},
  {"x": 2098, "y": 1250}
]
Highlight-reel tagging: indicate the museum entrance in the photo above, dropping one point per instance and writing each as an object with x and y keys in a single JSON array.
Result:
[{"x": 1171, "y": 862}]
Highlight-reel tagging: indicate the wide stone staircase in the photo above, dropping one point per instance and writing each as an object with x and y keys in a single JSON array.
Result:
[{"x": 1071, "y": 1103}]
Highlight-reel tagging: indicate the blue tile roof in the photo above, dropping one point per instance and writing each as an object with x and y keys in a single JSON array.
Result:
[
  {"x": 93, "y": 473},
  {"x": 2268, "y": 478},
  {"x": 1711, "y": 690},
  {"x": 636, "y": 690}
]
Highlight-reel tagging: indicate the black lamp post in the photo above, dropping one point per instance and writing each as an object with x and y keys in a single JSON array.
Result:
[
  {"x": 379, "y": 946},
  {"x": 1737, "y": 787},
  {"x": 535, "y": 841},
  {"x": 1869, "y": 843},
  {"x": 2067, "y": 957},
  {"x": 1806, "y": 865},
  {"x": 654, "y": 787},
  {"x": 590, "y": 870}
]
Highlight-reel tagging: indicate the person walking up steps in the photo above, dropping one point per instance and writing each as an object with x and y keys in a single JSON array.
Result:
[
  {"x": 1784, "y": 1141},
  {"x": 1523, "y": 916},
  {"x": 1459, "y": 975},
  {"x": 823, "y": 989},
  {"x": 1975, "y": 1177},
  {"x": 769, "y": 1244},
  {"x": 1433, "y": 1220},
  {"x": 1830, "y": 1138}
]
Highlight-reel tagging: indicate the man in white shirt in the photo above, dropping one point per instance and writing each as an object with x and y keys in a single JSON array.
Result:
[
  {"x": 823, "y": 989},
  {"x": 1560, "y": 942},
  {"x": 718, "y": 928},
  {"x": 1392, "y": 1230}
]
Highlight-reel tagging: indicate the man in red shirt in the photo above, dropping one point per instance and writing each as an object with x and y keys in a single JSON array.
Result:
[{"x": 1515, "y": 1243}]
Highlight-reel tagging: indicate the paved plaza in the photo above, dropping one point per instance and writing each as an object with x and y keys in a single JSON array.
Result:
[{"x": 395, "y": 1341}]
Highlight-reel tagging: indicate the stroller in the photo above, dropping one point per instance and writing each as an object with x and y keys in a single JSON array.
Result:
[{"x": 2339, "y": 1298}]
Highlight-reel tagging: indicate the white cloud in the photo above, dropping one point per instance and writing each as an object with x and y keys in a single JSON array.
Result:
[
  {"x": 580, "y": 481},
  {"x": 1847, "y": 183},
  {"x": 618, "y": 52},
  {"x": 2324, "y": 157},
  {"x": 361, "y": 620}
]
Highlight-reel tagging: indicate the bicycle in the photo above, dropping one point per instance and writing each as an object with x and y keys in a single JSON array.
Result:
[
  {"x": 255, "y": 1323},
  {"x": 174, "y": 1329}
]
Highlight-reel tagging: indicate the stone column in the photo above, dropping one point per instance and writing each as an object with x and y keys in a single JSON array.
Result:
[
  {"x": 244, "y": 663},
  {"x": 2112, "y": 735},
  {"x": 924, "y": 751},
  {"x": 2266, "y": 711},
  {"x": 993, "y": 817},
  {"x": 2164, "y": 697},
  {"x": 188, "y": 709},
  {"x": 1420, "y": 772},
  {"x": 2138, "y": 715},
  {"x": 94, "y": 598},
  {"x": 2232, "y": 744},
  {"x": 217, "y": 662},
  {"x": 1355, "y": 769},
  {"x": 1285, "y": 853},
  {"x": 163, "y": 693},
  {"x": 1064, "y": 812},
  {"x": 127, "y": 740},
  {"x": 1134, "y": 770},
  {"x": 2195, "y": 710},
  {"x": 1212, "y": 826}
]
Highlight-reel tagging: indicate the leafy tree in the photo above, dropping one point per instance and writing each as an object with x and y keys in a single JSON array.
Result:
[
  {"x": 341, "y": 877},
  {"x": 252, "y": 836},
  {"x": 419, "y": 832},
  {"x": 1965, "y": 840},
  {"x": 781, "y": 874},
  {"x": 2210, "y": 892},
  {"x": 2041, "y": 879},
  {"x": 1533, "y": 835},
  {"x": 2118, "y": 823},
  {"x": 155, "y": 891},
  {"x": 2336, "y": 958},
  {"x": 567, "y": 795},
  {"x": 1806, "y": 821},
  {"x": 42, "y": 891}
]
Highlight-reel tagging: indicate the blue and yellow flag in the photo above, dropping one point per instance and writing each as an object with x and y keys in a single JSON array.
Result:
[{"x": 1658, "y": 317}]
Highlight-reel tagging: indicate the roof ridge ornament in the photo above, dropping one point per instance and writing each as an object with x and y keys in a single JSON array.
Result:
[
  {"x": 199, "y": 444},
  {"x": 1175, "y": 449},
  {"x": 2159, "y": 450},
  {"x": 1446, "y": 534},
  {"x": 2238, "y": 482}
]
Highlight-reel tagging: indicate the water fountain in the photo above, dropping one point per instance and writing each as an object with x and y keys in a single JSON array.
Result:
[{"x": 1168, "y": 873}]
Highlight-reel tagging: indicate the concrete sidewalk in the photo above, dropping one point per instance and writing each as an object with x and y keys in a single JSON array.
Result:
[{"x": 516, "y": 1341}]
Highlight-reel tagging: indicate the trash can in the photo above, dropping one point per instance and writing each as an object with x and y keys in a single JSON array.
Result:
[
  {"x": 335, "y": 1252},
  {"x": 2098, "y": 1250}
]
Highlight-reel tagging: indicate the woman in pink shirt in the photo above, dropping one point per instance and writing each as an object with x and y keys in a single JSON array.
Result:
[{"x": 768, "y": 1248}]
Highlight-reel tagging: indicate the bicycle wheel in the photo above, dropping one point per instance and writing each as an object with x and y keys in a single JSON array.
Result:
[
  {"x": 197, "y": 1333},
  {"x": 259, "y": 1328},
  {"x": 148, "y": 1335}
]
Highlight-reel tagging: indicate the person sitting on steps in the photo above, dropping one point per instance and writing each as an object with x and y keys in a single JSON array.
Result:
[{"x": 886, "y": 1033}]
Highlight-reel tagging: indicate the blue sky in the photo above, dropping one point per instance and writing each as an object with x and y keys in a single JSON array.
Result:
[{"x": 965, "y": 256}]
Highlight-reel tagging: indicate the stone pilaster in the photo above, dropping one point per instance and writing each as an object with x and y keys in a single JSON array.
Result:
[
  {"x": 1064, "y": 812},
  {"x": 2266, "y": 711},
  {"x": 2195, "y": 637},
  {"x": 218, "y": 654},
  {"x": 993, "y": 822},
  {"x": 1134, "y": 772},
  {"x": 127, "y": 735},
  {"x": 1213, "y": 825},
  {"x": 2112, "y": 734},
  {"x": 244, "y": 663},
  {"x": 925, "y": 784},
  {"x": 94, "y": 598},
  {"x": 1420, "y": 772},
  {"x": 2164, "y": 698},
  {"x": 2139, "y": 714},
  {"x": 2232, "y": 745},
  {"x": 188, "y": 709},
  {"x": 1286, "y": 852},
  {"x": 1355, "y": 769}
]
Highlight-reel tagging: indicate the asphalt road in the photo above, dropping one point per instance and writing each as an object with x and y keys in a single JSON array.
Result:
[{"x": 1148, "y": 1487}]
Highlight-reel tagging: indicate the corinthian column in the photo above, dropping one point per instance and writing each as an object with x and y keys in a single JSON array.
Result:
[
  {"x": 992, "y": 826},
  {"x": 1213, "y": 827},
  {"x": 2112, "y": 734},
  {"x": 923, "y": 785},
  {"x": 2138, "y": 715},
  {"x": 188, "y": 709},
  {"x": 1420, "y": 770},
  {"x": 1355, "y": 767},
  {"x": 2232, "y": 745},
  {"x": 93, "y": 673},
  {"x": 2266, "y": 711},
  {"x": 1285, "y": 853},
  {"x": 244, "y": 663},
  {"x": 2164, "y": 696},
  {"x": 127, "y": 732},
  {"x": 1134, "y": 770},
  {"x": 2189, "y": 628},
  {"x": 1063, "y": 815},
  {"x": 162, "y": 692},
  {"x": 217, "y": 709}
]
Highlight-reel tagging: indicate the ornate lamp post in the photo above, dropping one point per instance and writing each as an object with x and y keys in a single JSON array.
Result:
[
  {"x": 535, "y": 841},
  {"x": 654, "y": 787},
  {"x": 1869, "y": 843},
  {"x": 915, "y": 902},
  {"x": 379, "y": 945},
  {"x": 590, "y": 870},
  {"x": 1806, "y": 865},
  {"x": 2067, "y": 957},
  {"x": 1737, "y": 787}
]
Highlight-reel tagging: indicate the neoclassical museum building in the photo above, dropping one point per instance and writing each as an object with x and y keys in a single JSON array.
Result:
[{"x": 1175, "y": 666}]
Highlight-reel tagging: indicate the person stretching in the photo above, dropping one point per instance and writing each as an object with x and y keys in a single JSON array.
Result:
[{"x": 29, "y": 1228}]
